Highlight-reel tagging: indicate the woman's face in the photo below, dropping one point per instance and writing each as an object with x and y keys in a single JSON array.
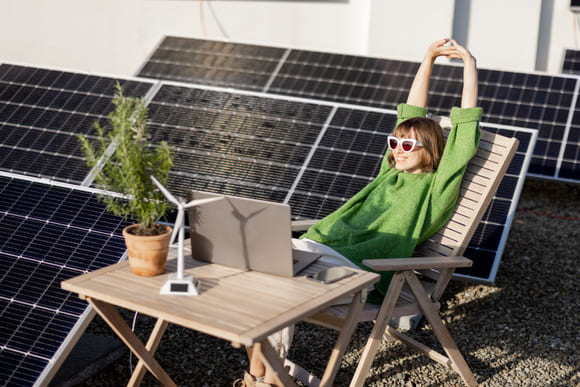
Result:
[{"x": 410, "y": 162}]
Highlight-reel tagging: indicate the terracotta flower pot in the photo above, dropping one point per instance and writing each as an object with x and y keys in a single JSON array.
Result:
[{"x": 147, "y": 254}]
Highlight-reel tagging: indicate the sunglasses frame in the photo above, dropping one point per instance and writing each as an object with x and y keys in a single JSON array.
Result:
[{"x": 414, "y": 143}]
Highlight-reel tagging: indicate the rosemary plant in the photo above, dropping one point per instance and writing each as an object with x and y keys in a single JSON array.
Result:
[{"x": 124, "y": 159}]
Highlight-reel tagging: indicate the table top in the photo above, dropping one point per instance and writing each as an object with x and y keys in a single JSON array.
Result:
[{"x": 234, "y": 304}]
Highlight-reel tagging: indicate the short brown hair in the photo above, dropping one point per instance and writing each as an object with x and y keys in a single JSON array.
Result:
[{"x": 429, "y": 133}]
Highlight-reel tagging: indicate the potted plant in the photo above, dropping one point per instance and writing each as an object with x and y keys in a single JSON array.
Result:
[{"x": 128, "y": 160}]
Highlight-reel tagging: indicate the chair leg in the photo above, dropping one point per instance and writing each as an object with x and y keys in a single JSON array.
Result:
[
  {"x": 376, "y": 336},
  {"x": 342, "y": 341},
  {"x": 445, "y": 339}
]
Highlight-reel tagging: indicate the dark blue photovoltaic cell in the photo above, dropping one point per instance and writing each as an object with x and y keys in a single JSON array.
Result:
[
  {"x": 47, "y": 234},
  {"x": 234, "y": 144},
  {"x": 571, "y": 62},
  {"x": 483, "y": 261},
  {"x": 535, "y": 101},
  {"x": 242, "y": 65},
  {"x": 42, "y": 112},
  {"x": 347, "y": 158},
  {"x": 569, "y": 167}
]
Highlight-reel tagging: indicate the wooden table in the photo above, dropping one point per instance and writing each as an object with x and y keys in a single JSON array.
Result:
[{"x": 241, "y": 306}]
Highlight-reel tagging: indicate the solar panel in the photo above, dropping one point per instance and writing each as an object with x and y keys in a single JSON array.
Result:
[
  {"x": 48, "y": 233},
  {"x": 41, "y": 113},
  {"x": 571, "y": 62},
  {"x": 234, "y": 143},
  {"x": 215, "y": 63},
  {"x": 489, "y": 239},
  {"x": 527, "y": 100},
  {"x": 311, "y": 154}
]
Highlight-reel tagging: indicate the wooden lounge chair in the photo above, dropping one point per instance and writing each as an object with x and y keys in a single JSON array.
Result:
[{"x": 427, "y": 274}]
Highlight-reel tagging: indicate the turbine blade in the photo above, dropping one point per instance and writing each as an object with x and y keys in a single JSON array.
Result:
[
  {"x": 199, "y": 202},
  {"x": 165, "y": 192}
]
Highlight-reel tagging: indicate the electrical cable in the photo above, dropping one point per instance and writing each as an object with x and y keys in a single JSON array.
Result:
[
  {"x": 576, "y": 23},
  {"x": 219, "y": 24},
  {"x": 131, "y": 352},
  {"x": 546, "y": 214},
  {"x": 202, "y": 19}
]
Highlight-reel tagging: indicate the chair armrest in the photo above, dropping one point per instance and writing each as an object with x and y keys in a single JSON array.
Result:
[
  {"x": 416, "y": 263},
  {"x": 302, "y": 225}
]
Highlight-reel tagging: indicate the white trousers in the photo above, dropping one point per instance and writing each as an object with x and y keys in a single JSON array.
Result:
[{"x": 281, "y": 340}]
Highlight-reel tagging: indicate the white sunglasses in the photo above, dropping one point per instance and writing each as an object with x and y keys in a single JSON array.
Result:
[{"x": 407, "y": 144}]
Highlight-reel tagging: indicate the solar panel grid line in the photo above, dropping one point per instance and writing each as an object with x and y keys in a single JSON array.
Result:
[
  {"x": 269, "y": 98},
  {"x": 105, "y": 157},
  {"x": 353, "y": 157},
  {"x": 67, "y": 346},
  {"x": 200, "y": 64},
  {"x": 226, "y": 126},
  {"x": 108, "y": 153},
  {"x": 310, "y": 155},
  {"x": 33, "y": 305},
  {"x": 570, "y": 62},
  {"x": 340, "y": 76},
  {"x": 88, "y": 82},
  {"x": 51, "y": 231},
  {"x": 58, "y": 184},
  {"x": 276, "y": 70},
  {"x": 567, "y": 129},
  {"x": 509, "y": 205},
  {"x": 19, "y": 374},
  {"x": 41, "y": 112}
]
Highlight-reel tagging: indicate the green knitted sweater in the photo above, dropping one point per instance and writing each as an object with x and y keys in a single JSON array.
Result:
[{"x": 397, "y": 210}]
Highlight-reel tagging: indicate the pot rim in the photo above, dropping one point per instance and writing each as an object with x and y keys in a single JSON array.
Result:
[{"x": 126, "y": 233}]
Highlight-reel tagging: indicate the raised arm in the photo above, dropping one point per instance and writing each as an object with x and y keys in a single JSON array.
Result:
[
  {"x": 469, "y": 95},
  {"x": 420, "y": 86}
]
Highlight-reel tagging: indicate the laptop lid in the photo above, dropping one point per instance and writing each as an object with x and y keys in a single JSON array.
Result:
[{"x": 242, "y": 232}]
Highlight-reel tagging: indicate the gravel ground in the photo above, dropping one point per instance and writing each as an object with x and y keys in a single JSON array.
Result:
[{"x": 522, "y": 331}]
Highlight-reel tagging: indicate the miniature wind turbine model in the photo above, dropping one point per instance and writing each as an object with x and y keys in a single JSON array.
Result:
[{"x": 180, "y": 283}]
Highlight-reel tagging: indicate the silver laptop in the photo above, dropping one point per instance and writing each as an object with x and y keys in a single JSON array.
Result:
[{"x": 246, "y": 233}]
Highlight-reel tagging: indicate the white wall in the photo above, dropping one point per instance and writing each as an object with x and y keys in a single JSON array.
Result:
[
  {"x": 565, "y": 33},
  {"x": 404, "y": 29},
  {"x": 504, "y": 34},
  {"x": 116, "y": 36}
]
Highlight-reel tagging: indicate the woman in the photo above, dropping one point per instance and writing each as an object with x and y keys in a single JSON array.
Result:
[{"x": 413, "y": 195}]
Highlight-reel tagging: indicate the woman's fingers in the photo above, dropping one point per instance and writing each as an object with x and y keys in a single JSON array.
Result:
[
  {"x": 460, "y": 50},
  {"x": 438, "y": 48}
]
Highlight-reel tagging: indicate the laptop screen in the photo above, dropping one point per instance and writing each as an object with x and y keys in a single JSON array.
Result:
[{"x": 241, "y": 232}]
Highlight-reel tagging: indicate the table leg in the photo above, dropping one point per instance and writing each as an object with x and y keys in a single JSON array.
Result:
[
  {"x": 273, "y": 363},
  {"x": 344, "y": 337},
  {"x": 151, "y": 346},
  {"x": 116, "y": 321}
]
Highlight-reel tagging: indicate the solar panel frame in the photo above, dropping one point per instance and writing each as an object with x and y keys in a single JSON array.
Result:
[
  {"x": 48, "y": 98},
  {"x": 220, "y": 69},
  {"x": 487, "y": 258},
  {"x": 46, "y": 238},
  {"x": 42, "y": 110},
  {"x": 570, "y": 61}
]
